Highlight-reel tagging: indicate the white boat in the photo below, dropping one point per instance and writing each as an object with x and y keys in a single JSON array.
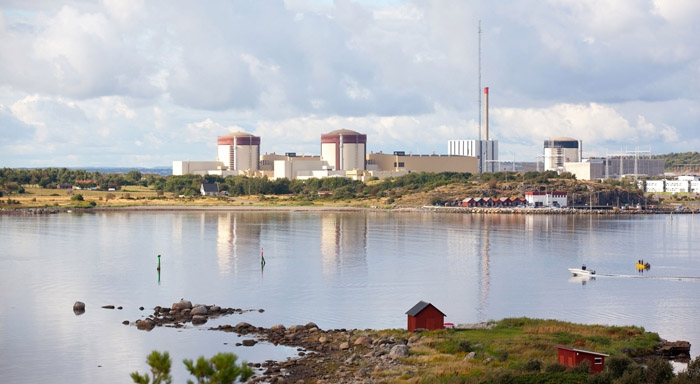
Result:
[{"x": 583, "y": 271}]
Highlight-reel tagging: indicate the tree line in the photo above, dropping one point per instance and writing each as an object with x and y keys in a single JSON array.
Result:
[{"x": 15, "y": 180}]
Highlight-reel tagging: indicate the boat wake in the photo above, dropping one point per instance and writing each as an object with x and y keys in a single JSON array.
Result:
[{"x": 680, "y": 278}]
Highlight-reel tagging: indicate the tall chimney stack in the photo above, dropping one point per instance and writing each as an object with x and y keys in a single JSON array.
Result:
[{"x": 486, "y": 113}]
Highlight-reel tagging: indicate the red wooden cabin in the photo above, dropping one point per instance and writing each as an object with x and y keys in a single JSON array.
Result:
[
  {"x": 572, "y": 357},
  {"x": 425, "y": 315}
]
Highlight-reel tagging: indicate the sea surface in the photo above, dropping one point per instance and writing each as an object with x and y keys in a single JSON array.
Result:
[{"x": 336, "y": 269}]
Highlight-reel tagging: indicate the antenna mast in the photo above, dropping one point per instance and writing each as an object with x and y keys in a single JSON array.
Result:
[{"x": 479, "y": 129}]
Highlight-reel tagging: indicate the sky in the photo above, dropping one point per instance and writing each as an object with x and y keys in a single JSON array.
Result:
[{"x": 136, "y": 83}]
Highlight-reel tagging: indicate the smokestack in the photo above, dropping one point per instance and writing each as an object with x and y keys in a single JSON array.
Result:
[{"x": 486, "y": 113}]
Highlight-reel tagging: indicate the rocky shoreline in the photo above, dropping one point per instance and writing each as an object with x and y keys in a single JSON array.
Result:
[
  {"x": 293, "y": 208},
  {"x": 555, "y": 211},
  {"x": 323, "y": 356}
]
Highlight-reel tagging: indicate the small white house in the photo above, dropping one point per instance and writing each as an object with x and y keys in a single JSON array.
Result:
[
  {"x": 209, "y": 189},
  {"x": 546, "y": 199}
]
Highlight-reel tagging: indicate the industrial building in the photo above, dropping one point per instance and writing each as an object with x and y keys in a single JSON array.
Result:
[
  {"x": 400, "y": 161},
  {"x": 559, "y": 151},
  {"x": 614, "y": 168},
  {"x": 194, "y": 167},
  {"x": 344, "y": 149},
  {"x": 238, "y": 151},
  {"x": 267, "y": 161},
  {"x": 486, "y": 151}
]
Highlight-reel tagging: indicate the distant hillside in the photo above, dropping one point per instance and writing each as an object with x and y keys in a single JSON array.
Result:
[
  {"x": 162, "y": 171},
  {"x": 672, "y": 161}
]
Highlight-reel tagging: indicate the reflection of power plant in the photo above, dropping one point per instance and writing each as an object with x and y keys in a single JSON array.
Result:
[
  {"x": 484, "y": 275},
  {"x": 469, "y": 253},
  {"x": 343, "y": 242},
  {"x": 236, "y": 235}
]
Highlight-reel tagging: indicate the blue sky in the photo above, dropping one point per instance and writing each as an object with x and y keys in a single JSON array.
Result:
[{"x": 143, "y": 83}]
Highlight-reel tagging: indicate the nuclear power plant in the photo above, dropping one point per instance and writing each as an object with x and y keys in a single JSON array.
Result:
[{"x": 343, "y": 154}]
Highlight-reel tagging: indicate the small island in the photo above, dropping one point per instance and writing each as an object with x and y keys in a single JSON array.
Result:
[{"x": 511, "y": 350}]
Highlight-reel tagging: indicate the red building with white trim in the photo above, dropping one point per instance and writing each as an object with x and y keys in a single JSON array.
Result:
[{"x": 572, "y": 357}]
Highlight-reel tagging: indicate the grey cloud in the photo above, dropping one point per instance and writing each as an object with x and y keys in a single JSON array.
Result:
[{"x": 13, "y": 130}]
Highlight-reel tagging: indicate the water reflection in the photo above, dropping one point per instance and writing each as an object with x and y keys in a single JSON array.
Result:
[
  {"x": 340, "y": 270},
  {"x": 343, "y": 242},
  {"x": 237, "y": 236},
  {"x": 484, "y": 275},
  {"x": 583, "y": 280}
]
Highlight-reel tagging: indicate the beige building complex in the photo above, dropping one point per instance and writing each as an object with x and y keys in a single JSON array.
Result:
[
  {"x": 343, "y": 154},
  {"x": 400, "y": 161}
]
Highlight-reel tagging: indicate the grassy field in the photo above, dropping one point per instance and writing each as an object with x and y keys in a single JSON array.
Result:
[
  {"x": 134, "y": 196},
  {"x": 516, "y": 347}
]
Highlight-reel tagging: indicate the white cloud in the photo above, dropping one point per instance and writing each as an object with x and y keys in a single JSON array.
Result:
[
  {"x": 159, "y": 81},
  {"x": 684, "y": 11},
  {"x": 598, "y": 126}
]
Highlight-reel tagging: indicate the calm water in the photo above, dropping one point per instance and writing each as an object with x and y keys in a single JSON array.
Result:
[{"x": 339, "y": 270}]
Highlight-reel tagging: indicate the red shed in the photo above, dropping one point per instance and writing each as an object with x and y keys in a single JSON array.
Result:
[
  {"x": 425, "y": 315},
  {"x": 572, "y": 357},
  {"x": 468, "y": 202}
]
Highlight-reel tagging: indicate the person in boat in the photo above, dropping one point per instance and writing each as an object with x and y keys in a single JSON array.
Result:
[{"x": 583, "y": 267}]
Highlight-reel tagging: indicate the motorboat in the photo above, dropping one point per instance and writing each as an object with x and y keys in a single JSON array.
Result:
[
  {"x": 583, "y": 271},
  {"x": 642, "y": 265}
]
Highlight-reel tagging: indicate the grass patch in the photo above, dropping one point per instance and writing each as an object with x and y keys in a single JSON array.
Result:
[{"x": 516, "y": 350}]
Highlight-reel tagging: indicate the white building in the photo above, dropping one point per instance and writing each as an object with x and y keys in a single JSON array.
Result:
[
  {"x": 546, "y": 199},
  {"x": 695, "y": 186},
  {"x": 653, "y": 186},
  {"x": 677, "y": 186},
  {"x": 486, "y": 151},
  {"x": 588, "y": 169},
  {"x": 559, "y": 151},
  {"x": 194, "y": 167}
]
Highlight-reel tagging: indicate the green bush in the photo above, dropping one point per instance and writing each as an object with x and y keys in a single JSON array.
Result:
[
  {"x": 582, "y": 367},
  {"x": 633, "y": 375},
  {"x": 555, "y": 367},
  {"x": 219, "y": 369},
  {"x": 659, "y": 371},
  {"x": 465, "y": 346},
  {"x": 533, "y": 366},
  {"x": 617, "y": 365}
]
